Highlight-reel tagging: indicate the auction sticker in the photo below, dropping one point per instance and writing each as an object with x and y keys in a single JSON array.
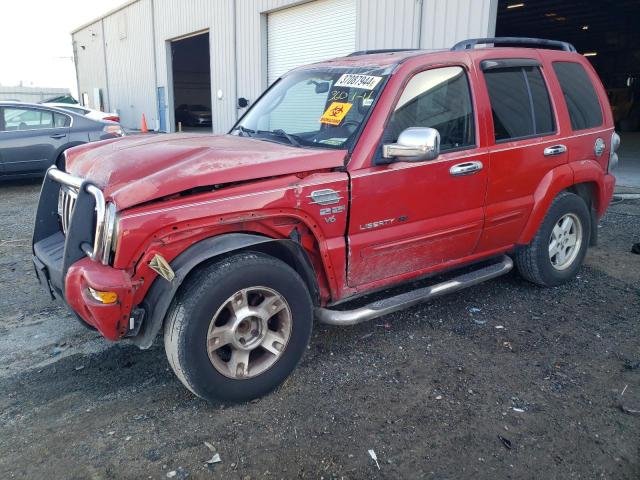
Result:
[
  {"x": 335, "y": 113},
  {"x": 352, "y": 80}
]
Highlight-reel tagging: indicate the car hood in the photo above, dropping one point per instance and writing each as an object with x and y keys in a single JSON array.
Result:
[{"x": 138, "y": 169}]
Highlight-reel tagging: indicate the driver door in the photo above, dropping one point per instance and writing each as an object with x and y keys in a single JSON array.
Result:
[{"x": 408, "y": 218}]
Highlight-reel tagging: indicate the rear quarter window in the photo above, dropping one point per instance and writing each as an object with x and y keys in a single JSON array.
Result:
[{"x": 579, "y": 94}]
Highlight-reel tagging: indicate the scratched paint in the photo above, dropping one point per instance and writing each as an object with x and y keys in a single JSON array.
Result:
[{"x": 133, "y": 171}]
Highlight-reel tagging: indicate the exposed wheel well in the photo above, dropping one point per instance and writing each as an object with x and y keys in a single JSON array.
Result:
[
  {"x": 296, "y": 259},
  {"x": 287, "y": 251},
  {"x": 202, "y": 254},
  {"x": 587, "y": 191}
]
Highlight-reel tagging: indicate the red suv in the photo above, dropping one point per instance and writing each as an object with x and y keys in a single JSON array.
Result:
[{"x": 346, "y": 177}]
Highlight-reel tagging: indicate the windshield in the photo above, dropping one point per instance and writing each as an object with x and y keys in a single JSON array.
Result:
[{"x": 321, "y": 108}]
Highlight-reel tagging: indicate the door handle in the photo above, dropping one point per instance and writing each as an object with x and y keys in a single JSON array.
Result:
[
  {"x": 58, "y": 135},
  {"x": 554, "y": 150},
  {"x": 466, "y": 168}
]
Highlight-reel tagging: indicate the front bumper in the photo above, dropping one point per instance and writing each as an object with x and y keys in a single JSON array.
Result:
[
  {"x": 69, "y": 264},
  {"x": 114, "y": 320}
]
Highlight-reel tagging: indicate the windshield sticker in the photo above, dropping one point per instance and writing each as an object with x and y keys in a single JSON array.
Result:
[
  {"x": 335, "y": 113},
  {"x": 352, "y": 80},
  {"x": 338, "y": 96},
  {"x": 342, "y": 96}
]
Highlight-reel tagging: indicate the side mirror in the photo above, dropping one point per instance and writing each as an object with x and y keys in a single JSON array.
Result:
[{"x": 414, "y": 145}]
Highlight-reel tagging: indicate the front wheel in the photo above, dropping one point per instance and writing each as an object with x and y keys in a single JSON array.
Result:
[
  {"x": 239, "y": 327},
  {"x": 557, "y": 251}
]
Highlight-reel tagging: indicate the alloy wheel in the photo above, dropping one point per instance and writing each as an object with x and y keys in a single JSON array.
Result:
[
  {"x": 249, "y": 332},
  {"x": 565, "y": 241}
]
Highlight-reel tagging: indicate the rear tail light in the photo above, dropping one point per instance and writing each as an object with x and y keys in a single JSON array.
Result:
[
  {"x": 613, "y": 156},
  {"x": 115, "y": 130},
  {"x": 113, "y": 118}
]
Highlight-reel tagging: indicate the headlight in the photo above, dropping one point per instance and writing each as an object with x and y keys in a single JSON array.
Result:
[{"x": 109, "y": 234}]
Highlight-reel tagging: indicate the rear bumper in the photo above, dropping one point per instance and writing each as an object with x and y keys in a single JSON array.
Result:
[{"x": 606, "y": 194}]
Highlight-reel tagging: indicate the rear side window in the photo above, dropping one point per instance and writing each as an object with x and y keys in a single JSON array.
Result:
[
  {"x": 26, "y": 119},
  {"x": 61, "y": 120},
  {"x": 519, "y": 102},
  {"x": 582, "y": 101}
]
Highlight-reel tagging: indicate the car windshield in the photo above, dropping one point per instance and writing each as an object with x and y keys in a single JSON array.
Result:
[
  {"x": 317, "y": 107},
  {"x": 199, "y": 108}
]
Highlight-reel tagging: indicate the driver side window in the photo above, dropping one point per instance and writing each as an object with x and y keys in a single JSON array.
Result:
[{"x": 440, "y": 99}]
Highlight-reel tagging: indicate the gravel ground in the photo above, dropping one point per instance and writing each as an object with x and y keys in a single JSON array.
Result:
[{"x": 505, "y": 380}]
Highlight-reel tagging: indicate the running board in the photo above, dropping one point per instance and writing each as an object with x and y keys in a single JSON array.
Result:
[{"x": 414, "y": 297}]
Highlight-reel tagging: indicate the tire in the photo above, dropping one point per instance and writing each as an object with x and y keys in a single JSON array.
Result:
[
  {"x": 535, "y": 261},
  {"x": 206, "y": 342}
]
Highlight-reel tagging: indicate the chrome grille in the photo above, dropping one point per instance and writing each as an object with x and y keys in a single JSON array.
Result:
[{"x": 66, "y": 203}]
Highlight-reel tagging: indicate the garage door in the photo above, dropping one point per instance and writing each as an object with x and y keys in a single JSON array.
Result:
[{"x": 309, "y": 33}]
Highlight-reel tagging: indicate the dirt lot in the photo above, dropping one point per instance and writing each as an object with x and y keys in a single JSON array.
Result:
[{"x": 502, "y": 381}]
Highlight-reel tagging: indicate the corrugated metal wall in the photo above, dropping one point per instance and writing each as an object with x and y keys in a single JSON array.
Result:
[
  {"x": 179, "y": 19},
  {"x": 387, "y": 24},
  {"x": 88, "y": 45},
  {"x": 129, "y": 47},
  {"x": 445, "y": 22},
  {"x": 238, "y": 44}
]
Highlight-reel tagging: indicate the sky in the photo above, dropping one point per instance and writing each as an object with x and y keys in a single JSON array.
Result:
[{"x": 35, "y": 40}]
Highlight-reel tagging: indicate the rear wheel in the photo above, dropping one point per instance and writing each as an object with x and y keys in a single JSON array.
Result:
[
  {"x": 556, "y": 253},
  {"x": 238, "y": 327}
]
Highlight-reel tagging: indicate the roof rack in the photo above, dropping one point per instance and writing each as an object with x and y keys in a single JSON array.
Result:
[
  {"x": 382, "y": 50},
  {"x": 472, "y": 42}
]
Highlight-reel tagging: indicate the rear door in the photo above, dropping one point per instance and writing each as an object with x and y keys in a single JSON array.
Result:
[
  {"x": 527, "y": 144},
  {"x": 409, "y": 217},
  {"x": 590, "y": 139},
  {"x": 30, "y": 138}
]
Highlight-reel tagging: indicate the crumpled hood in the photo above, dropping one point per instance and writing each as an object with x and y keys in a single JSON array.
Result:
[{"x": 137, "y": 169}]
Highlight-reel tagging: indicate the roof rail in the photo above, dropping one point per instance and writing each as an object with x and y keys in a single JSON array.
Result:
[
  {"x": 472, "y": 42},
  {"x": 382, "y": 50}
]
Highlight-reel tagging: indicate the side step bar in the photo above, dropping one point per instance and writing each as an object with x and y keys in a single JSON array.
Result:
[{"x": 414, "y": 297}]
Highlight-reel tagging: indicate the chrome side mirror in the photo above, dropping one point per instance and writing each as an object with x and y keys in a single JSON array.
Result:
[{"x": 414, "y": 145}]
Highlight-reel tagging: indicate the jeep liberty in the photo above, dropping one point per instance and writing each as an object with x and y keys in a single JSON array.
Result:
[{"x": 346, "y": 177}]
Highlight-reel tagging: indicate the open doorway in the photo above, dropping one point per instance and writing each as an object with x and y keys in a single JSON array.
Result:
[
  {"x": 191, "y": 72},
  {"x": 606, "y": 32}
]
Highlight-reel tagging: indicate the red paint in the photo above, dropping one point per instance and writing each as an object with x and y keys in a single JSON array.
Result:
[
  {"x": 110, "y": 320},
  {"x": 428, "y": 220}
]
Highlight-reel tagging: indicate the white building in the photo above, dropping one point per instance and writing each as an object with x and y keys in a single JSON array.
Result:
[
  {"x": 32, "y": 94},
  {"x": 151, "y": 56}
]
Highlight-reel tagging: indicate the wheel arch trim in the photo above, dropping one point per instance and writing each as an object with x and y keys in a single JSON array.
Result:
[
  {"x": 161, "y": 293},
  {"x": 549, "y": 187}
]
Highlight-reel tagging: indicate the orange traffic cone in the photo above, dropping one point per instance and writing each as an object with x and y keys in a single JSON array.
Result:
[{"x": 144, "y": 128}]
